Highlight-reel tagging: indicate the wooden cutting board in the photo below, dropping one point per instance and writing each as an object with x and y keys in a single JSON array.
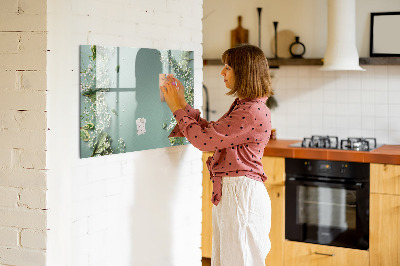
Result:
[{"x": 239, "y": 35}]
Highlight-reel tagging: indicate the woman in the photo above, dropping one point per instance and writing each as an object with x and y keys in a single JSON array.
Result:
[{"x": 242, "y": 208}]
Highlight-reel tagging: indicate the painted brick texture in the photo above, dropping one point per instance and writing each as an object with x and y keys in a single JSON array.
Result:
[{"x": 23, "y": 125}]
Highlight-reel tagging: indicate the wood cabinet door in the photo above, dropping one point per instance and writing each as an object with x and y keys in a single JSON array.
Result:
[
  {"x": 304, "y": 254},
  {"x": 385, "y": 178},
  {"x": 384, "y": 236},
  {"x": 206, "y": 225},
  {"x": 274, "y": 168},
  {"x": 277, "y": 233}
]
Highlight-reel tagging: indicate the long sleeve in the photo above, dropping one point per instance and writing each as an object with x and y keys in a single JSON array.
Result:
[
  {"x": 231, "y": 130},
  {"x": 193, "y": 113}
]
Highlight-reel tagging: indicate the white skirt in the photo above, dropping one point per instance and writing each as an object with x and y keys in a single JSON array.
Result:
[{"x": 241, "y": 223}]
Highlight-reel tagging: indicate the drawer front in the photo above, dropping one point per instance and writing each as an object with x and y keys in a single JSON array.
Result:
[{"x": 297, "y": 253}]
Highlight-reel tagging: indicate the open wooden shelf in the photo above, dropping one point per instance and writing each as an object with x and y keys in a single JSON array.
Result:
[
  {"x": 273, "y": 62},
  {"x": 380, "y": 61}
]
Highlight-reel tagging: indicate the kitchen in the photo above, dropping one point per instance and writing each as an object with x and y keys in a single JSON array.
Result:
[{"x": 315, "y": 103}]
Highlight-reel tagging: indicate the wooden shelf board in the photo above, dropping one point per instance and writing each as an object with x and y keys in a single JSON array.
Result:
[{"x": 276, "y": 62}]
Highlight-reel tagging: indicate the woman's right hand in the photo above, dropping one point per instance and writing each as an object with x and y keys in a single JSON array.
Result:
[{"x": 181, "y": 91}]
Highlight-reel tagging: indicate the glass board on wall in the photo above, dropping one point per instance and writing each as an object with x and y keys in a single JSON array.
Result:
[{"x": 121, "y": 105}]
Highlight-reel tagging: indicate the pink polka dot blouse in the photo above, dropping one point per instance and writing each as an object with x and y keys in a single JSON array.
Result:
[{"x": 238, "y": 139}]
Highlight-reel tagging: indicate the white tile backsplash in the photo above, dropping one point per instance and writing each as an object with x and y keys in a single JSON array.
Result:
[{"x": 343, "y": 103}]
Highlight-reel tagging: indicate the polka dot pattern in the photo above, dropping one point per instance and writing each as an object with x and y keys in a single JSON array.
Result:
[{"x": 238, "y": 139}]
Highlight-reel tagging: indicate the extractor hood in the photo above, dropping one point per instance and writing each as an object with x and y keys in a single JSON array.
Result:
[{"x": 341, "y": 51}]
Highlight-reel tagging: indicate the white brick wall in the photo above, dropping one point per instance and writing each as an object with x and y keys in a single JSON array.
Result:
[{"x": 23, "y": 132}]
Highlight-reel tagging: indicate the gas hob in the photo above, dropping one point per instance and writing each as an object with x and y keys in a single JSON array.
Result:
[{"x": 332, "y": 142}]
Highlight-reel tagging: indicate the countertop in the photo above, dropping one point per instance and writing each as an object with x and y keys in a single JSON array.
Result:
[{"x": 388, "y": 154}]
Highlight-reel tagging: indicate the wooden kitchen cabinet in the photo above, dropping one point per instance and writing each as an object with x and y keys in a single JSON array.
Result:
[
  {"x": 385, "y": 215},
  {"x": 206, "y": 225},
  {"x": 274, "y": 168},
  {"x": 277, "y": 233},
  {"x": 305, "y": 254},
  {"x": 385, "y": 178}
]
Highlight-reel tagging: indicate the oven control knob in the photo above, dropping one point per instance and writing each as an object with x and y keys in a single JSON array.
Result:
[
  {"x": 343, "y": 168},
  {"x": 308, "y": 166}
]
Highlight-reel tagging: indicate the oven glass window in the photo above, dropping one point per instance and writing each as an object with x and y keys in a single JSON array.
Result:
[{"x": 326, "y": 207}]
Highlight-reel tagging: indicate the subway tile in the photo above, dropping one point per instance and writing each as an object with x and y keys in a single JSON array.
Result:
[
  {"x": 381, "y": 110},
  {"x": 367, "y": 83},
  {"x": 367, "y": 133},
  {"x": 382, "y": 136},
  {"x": 380, "y": 84},
  {"x": 367, "y": 96},
  {"x": 355, "y": 109},
  {"x": 394, "y": 97},
  {"x": 342, "y": 96},
  {"x": 329, "y": 109},
  {"x": 394, "y": 71},
  {"x": 380, "y": 71},
  {"x": 342, "y": 80},
  {"x": 317, "y": 121},
  {"x": 304, "y": 72},
  {"x": 342, "y": 122},
  {"x": 355, "y": 132},
  {"x": 291, "y": 71},
  {"x": 342, "y": 133},
  {"x": 316, "y": 72},
  {"x": 292, "y": 82},
  {"x": 394, "y": 123},
  {"x": 394, "y": 82},
  {"x": 367, "y": 110},
  {"x": 329, "y": 122},
  {"x": 317, "y": 107},
  {"x": 354, "y": 81},
  {"x": 316, "y": 83},
  {"x": 382, "y": 123},
  {"x": 380, "y": 97},
  {"x": 329, "y": 94},
  {"x": 342, "y": 109},
  {"x": 303, "y": 82},
  {"x": 317, "y": 131},
  {"x": 355, "y": 96},
  {"x": 394, "y": 110},
  {"x": 394, "y": 137},
  {"x": 328, "y": 74},
  {"x": 355, "y": 122},
  {"x": 367, "y": 122}
]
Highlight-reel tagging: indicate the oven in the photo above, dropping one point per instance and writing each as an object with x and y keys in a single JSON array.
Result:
[{"x": 327, "y": 202}]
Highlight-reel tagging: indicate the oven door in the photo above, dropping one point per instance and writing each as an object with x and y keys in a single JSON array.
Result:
[{"x": 327, "y": 213}]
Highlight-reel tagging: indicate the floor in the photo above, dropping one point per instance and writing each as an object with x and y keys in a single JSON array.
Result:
[{"x": 206, "y": 261}]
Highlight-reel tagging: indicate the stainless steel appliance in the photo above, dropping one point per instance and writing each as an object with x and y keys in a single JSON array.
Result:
[
  {"x": 332, "y": 142},
  {"x": 327, "y": 202}
]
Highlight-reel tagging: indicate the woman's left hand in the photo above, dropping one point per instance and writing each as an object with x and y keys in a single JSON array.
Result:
[{"x": 171, "y": 95}]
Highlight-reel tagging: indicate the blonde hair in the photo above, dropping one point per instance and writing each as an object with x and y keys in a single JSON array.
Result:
[{"x": 250, "y": 66}]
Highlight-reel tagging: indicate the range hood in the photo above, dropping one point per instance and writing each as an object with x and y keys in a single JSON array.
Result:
[{"x": 341, "y": 51}]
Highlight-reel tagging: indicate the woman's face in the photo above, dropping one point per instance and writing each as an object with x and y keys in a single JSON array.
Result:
[{"x": 229, "y": 76}]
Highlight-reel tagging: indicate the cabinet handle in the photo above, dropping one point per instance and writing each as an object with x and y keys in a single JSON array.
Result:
[{"x": 324, "y": 254}]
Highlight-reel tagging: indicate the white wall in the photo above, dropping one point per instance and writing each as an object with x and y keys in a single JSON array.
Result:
[
  {"x": 140, "y": 208},
  {"x": 311, "y": 102},
  {"x": 23, "y": 133},
  {"x": 306, "y": 19}
]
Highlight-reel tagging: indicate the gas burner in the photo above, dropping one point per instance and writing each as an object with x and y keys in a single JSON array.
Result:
[
  {"x": 332, "y": 142},
  {"x": 358, "y": 144},
  {"x": 327, "y": 142}
]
